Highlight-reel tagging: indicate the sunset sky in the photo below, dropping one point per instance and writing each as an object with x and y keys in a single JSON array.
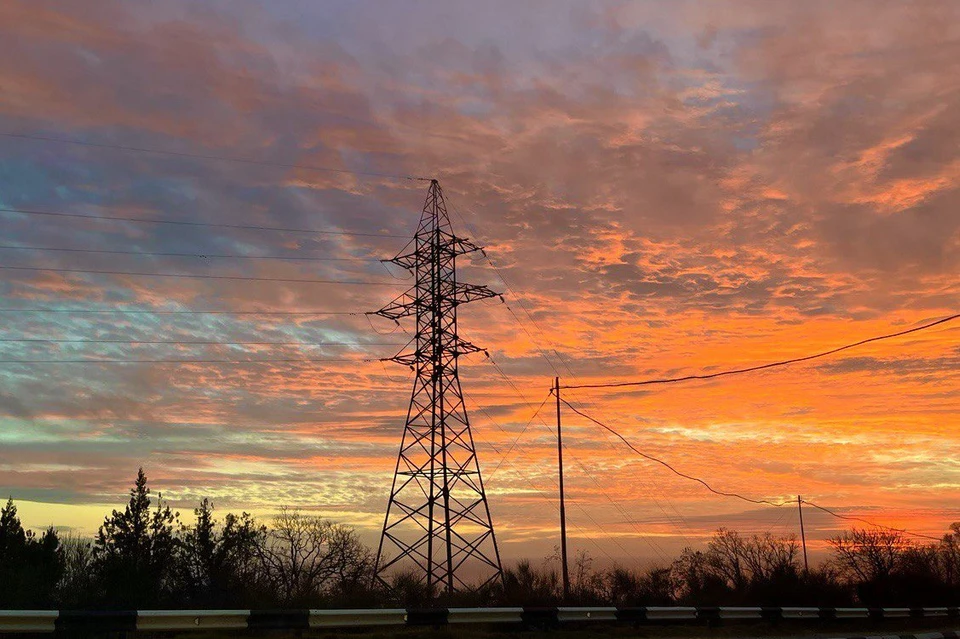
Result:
[{"x": 665, "y": 188}]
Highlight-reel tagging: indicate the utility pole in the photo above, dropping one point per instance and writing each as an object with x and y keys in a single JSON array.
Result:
[
  {"x": 803, "y": 536},
  {"x": 438, "y": 521},
  {"x": 563, "y": 511}
]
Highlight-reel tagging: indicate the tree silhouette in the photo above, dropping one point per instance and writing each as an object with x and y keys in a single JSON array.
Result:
[
  {"x": 219, "y": 562},
  {"x": 306, "y": 559},
  {"x": 29, "y": 567},
  {"x": 134, "y": 552}
]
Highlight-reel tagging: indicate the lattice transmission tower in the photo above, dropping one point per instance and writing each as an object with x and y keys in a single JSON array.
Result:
[{"x": 437, "y": 521}]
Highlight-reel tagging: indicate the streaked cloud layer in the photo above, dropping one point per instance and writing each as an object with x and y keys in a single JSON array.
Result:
[{"x": 664, "y": 188}]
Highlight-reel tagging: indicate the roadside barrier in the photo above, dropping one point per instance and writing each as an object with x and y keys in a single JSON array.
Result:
[
  {"x": 68, "y": 621},
  {"x": 947, "y": 634}
]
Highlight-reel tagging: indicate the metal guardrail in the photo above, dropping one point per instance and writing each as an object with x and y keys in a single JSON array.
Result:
[
  {"x": 946, "y": 634},
  {"x": 43, "y": 621}
]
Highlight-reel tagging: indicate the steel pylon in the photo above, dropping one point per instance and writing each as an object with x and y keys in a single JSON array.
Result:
[{"x": 438, "y": 521}]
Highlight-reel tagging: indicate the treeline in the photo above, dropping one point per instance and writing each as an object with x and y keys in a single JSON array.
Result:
[{"x": 144, "y": 557}]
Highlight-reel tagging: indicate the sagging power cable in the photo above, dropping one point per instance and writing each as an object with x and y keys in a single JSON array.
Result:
[
  {"x": 721, "y": 493},
  {"x": 786, "y": 362},
  {"x": 713, "y": 490}
]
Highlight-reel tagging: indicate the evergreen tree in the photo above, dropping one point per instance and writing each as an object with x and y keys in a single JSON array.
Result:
[
  {"x": 29, "y": 567},
  {"x": 219, "y": 562},
  {"x": 12, "y": 535},
  {"x": 135, "y": 552}
]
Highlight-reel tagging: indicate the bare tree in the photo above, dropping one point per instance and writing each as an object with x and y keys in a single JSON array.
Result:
[
  {"x": 948, "y": 556},
  {"x": 734, "y": 565},
  {"x": 727, "y": 556},
  {"x": 767, "y": 556},
  {"x": 868, "y": 555},
  {"x": 305, "y": 558}
]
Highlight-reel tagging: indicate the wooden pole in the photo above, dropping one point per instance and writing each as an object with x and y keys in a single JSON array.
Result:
[
  {"x": 563, "y": 511},
  {"x": 803, "y": 536}
]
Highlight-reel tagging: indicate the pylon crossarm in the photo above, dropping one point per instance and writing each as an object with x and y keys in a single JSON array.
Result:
[
  {"x": 407, "y": 261},
  {"x": 407, "y": 359},
  {"x": 465, "y": 246},
  {"x": 465, "y": 293},
  {"x": 463, "y": 347},
  {"x": 400, "y": 307}
]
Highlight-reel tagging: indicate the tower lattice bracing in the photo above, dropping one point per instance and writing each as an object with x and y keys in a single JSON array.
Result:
[{"x": 438, "y": 521}]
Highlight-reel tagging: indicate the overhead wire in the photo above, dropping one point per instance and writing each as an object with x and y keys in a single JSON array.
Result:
[
  {"x": 868, "y": 522},
  {"x": 759, "y": 367},
  {"x": 549, "y": 499},
  {"x": 204, "y": 256},
  {"x": 28, "y": 340},
  {"x": 248, "y": 227},
  {"x": 206, "y": 156},
  {"x": 536, "y": 414},
  {"x": 195, "y": 276},
  {"x": 174, "y": 312},
  {"x": 546, "y": 358},
  {"x": 679, "y": 522},
  {"x": 736, "y": 495},
  {"x": 668, "y": 466},
  {"x": 704, "y": 377},
  {"x": 293, "y": 360}
]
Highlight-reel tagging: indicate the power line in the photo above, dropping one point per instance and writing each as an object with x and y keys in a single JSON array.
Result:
[
  {"x": 203, "y": 156},
  {"x": 194, "y": 276},
  {"x": 735, "y": 495},
  {"x": 515, "y": 295},
  {"x": 543, "y": 353},
  {"x": 705, "y": 376},
  {"x": 195, "y": 255},
  {"x": 617, "y": 506},
  {"x": 513, "y": 444},
  {"x": 870, "y": 523},
  {"x": 32, "y": 340},
  {"x": 181, "y": 361},
  {"x": 536, "y": 414},
  {"x": 544, "y": 495},
  {"x": 769, "y": 365},
  {"x": 249, "y": 227},
  {"x": 671, "y": 468},
  {"x": 163, "y": 312}
]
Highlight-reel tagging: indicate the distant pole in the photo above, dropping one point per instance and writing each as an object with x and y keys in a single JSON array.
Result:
[
  {"x": 563, "y": 511},
  {"x": 803, "y": 536}
]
